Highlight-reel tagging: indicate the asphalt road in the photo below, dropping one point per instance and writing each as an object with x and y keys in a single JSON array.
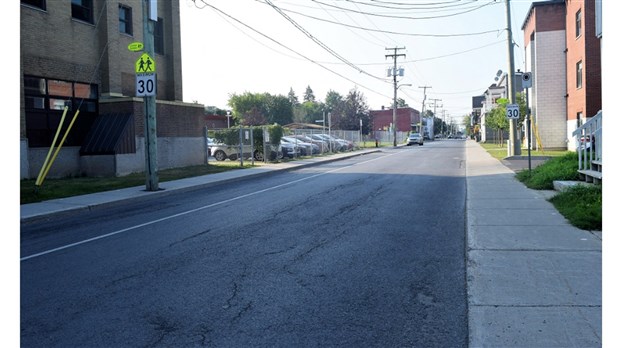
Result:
[{"x": 368, "y": 251}]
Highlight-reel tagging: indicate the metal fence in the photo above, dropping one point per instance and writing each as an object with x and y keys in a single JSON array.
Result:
[{"x": 295, "y": 143}]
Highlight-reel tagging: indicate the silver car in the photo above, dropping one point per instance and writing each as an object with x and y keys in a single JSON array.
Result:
[{"x": 415, "y": 138}]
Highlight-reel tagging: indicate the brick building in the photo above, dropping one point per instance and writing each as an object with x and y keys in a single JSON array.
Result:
[
  {"x": 75, "y": 54},
  {"x": 563, "y": 53},
  {"x": 583, "y": 65},
  {"x": 407, "y": 119}
]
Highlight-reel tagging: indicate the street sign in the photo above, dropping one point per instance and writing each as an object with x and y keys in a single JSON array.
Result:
[
  {"x": 136, "y": 46},
  {"x": 526, "y": 80},
  {"x": 512, "y": 111},
  {"x": 146, "y": 85},
  {"x": 145, "y": 64}
]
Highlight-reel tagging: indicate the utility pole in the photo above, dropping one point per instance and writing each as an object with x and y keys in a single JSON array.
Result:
[
  {"x": 422, "y": 114},
  {"x": 149, "y": 11},
  {"x": 395, "y": 56},
  {"x": 515, "y": 142},
  {"x": 435, "y": 100}
]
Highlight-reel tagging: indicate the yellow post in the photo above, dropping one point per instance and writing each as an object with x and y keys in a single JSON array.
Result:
[
  {"x": 47, "y": 158},
  {"x": 59, "y": 146},
  {"x": 538, "y": 140}
]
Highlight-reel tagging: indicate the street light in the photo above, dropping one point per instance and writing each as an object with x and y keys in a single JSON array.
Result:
[
  {"x": 228, "y": 117},
  {"x": 394, "y": 111}
]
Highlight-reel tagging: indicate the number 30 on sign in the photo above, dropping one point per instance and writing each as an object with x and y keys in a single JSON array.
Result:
[
  {"x": 512, "y": 111},
  {"x": 146, "y": 85}
]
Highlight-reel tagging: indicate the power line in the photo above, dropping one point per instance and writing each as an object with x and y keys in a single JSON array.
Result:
[
  {"x": 286, "y": 47},
  {"x": 406, "y": 17},
  {"x": 321, "y": 44},
  {"x": 451, "y": 35}
]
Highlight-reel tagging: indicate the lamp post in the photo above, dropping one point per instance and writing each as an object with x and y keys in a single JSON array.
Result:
[{"x": 228, "y": 116}]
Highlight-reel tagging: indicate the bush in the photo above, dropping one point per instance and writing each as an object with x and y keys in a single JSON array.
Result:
[
  {"x": 582, "y": 206},
  {"x": 557, "y": 168}
]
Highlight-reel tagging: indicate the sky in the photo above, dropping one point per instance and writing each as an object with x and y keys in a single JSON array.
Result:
[{"x": 453, "y": 47}]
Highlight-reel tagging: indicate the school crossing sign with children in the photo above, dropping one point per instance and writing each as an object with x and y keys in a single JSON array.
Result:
[{"x": 146, "y": 79}]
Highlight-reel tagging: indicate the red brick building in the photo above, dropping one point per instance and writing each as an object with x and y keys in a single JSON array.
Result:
[
  {"x": 583, "y": 63},
  {"x": 563, "y": 53},
  {"x": 407, "y": 119}
]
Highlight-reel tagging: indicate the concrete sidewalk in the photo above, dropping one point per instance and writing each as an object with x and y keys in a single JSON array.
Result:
[{"x": 533, "y": 279}]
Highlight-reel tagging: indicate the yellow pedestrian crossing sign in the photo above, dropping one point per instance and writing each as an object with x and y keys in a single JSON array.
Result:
[{"x": 145, "y": 64}]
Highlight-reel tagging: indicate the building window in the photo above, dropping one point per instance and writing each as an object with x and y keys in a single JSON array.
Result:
[
  {"x": 158, "y": 36},
  {"x": 579, "y": 119},
  {"x": 82, "y": 10},
  {"x": 35, "y": 3},
  {"x": 578, "y": 23},
  {"x": 45, "y": 100},
  {"x": 125, "y": 22},
  {"x": 579, "y": 74}
]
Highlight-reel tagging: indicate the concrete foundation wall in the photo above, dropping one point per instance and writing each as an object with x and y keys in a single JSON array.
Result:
[
  {"x": 24, "y": 165},
  {"x": 66, "y": 164},
  {"x": 180, "y": 152},
  {"x": 98, "y": 166}
]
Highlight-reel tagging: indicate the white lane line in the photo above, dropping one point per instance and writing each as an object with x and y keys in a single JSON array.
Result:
[{"x": 189, "y": 211}]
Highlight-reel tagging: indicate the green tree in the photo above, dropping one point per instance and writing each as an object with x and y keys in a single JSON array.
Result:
[
  {"x": 311, "y": 111},
  {"x": 309, "y": 95},
  {"x": 246, "y": 103},
  {"x": 279, "y": 109},
  {"x": 261, "y": 107},
  {"x": 354, "y": 109},
  {"x": 401, "y": 103},
  {"x": 292, "y": 97},
  {"x": 496, "y": 119}
]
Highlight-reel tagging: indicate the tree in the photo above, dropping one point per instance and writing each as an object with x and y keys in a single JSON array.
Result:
[
  {"x": 254, "y": 118},
  {"x": 261, "y": 107},
  {"x": 292, "y": 97},
  {"x": 309, "y": 95},
  {"x": 354, "y": 109},
  {"x": 401, "y": 103},
  {"x": 496, "y": 118},
  {"x": 279, "y": 109}
]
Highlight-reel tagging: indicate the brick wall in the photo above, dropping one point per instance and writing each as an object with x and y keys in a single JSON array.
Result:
[
  {"x": 381, "y": 119},
  {"x": 585, "y": 48}
]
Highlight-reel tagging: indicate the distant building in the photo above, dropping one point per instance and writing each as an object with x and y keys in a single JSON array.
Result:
[
  {"x": 75, "y": 54},
  {"x": 407, "y": 119},
  {"x": 489, "y": 102}
]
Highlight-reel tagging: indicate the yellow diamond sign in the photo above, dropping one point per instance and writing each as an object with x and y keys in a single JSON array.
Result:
[{"x": 145, "y": 64}]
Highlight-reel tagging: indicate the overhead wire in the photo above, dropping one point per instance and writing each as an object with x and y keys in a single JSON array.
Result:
[
  {"x": 286, "y": 47},
  {"x": 450, "y": 35},
  {"x": 407, "y": 17},
  {"x": 320, "y": 43}
]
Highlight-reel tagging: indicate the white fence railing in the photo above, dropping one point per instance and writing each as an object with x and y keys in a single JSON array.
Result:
[{"x": 589, "y": 139}]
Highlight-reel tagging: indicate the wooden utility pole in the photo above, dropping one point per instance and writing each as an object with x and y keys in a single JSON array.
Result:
[
  {"x": 150, "y": 105},
  {"x": 395, "y": 56}
]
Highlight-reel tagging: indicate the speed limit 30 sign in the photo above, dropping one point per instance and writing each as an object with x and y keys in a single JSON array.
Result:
[
  {"x": 146, "y": 85},
  {"x": 512, "y": 111}
]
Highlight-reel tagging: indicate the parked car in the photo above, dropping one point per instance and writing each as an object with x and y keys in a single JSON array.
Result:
[
  {"x": 322, "y": 145},
  {"x": 210, "y": 143},
  {"x": 584, "y": 143},
  {"x": 221, "y": 152},
  {"x": 289, "y": 150},
  {"x": 305, "y": 148},
  {"x": 334, "y": 143},
  {"x": 415, "y": 138}
]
